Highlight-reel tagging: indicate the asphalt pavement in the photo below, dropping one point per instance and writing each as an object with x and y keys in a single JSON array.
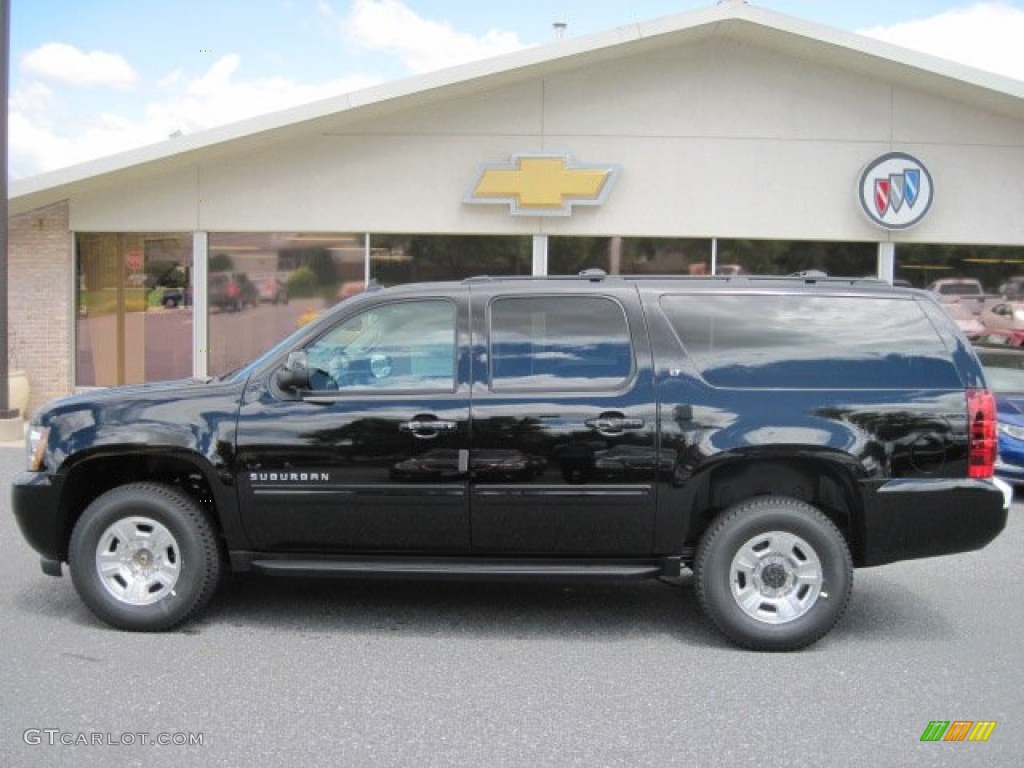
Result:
[{"x": 352, "y": 674}]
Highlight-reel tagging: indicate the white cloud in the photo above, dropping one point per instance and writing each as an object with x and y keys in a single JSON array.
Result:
[
  {"x": 985, "y": 35},
  {"x": 40, "y": 140},
  {"x": 218, "y": 97},
  {"x": 423, "y": 45},
  {"x": 63, "y": 63}
]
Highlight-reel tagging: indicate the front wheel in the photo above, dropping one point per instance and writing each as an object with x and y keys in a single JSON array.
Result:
[
  {"x": 144, "y": 557},
  {"x": 773, "y": 574}
]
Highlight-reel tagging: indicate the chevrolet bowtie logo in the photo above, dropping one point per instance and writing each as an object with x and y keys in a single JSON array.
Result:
[{"x": 542, "y": 184}]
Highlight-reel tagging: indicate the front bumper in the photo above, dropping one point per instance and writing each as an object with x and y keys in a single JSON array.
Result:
[
  {"x": 35, "y": 498},
  {"x": 909, "y": 519}
]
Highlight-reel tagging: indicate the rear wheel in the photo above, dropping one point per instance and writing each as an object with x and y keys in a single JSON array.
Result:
[
  {"x": 773, "y": 574},
  {"x": 143, "y": 556}
]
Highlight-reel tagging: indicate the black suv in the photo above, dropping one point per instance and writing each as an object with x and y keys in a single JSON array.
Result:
[{"x": 771, "y": 434}]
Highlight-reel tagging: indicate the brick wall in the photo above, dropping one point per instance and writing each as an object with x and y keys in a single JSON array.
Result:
[{"x": 39, "y": 297}]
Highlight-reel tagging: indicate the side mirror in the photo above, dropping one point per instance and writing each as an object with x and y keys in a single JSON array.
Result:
[{"x": 294, "y": 374}]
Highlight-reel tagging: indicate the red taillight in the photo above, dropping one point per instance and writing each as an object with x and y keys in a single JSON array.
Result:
[{"x": 981, "y": 427}]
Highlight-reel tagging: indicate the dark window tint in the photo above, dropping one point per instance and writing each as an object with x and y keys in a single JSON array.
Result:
[
  {"x": 810, "y": 342},
  {"x": 559, "y": 342}
]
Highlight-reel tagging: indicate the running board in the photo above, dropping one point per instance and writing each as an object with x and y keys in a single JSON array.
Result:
[{"x": 456, "y": 568}]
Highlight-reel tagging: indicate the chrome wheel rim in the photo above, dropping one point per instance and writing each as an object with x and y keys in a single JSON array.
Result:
[
  {"x": 138, "y": 560},
  {"x": 776, "y": 577}
]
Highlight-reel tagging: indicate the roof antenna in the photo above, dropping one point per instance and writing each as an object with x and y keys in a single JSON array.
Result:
[{"x": 560, "y": 27}]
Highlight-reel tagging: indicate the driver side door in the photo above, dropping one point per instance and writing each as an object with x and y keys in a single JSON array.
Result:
[{"x": 373, "y": 456}]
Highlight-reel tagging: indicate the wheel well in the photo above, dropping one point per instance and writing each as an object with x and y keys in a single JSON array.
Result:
[
  {"x": 93, "y": 477},
  {"x": 819, "y": 482}
]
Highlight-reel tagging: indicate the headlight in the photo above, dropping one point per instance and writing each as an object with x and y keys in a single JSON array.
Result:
[
  {"x": 1010, "y": 430},
  {"x": 35, "y": 446}
]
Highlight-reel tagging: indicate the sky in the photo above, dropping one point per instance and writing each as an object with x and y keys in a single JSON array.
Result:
[{"x": 90, "y": 78}]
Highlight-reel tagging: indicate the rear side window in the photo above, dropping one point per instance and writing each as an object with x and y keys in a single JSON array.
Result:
[
  {"x": 811, "y": 342},
  {"x": 558, "y": 343}
]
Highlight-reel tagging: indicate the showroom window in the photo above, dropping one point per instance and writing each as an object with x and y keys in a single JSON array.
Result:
[
  {"x": 396, "y": 259},
  {"x": 262, "y": 286},
  {"x": 681, "y": 256},
  {"x": 920, "y": 265},
  {"x": 629, "y": 255},
  {"x": 785, "y": 257},
  {"x": 133, "y": 308}
]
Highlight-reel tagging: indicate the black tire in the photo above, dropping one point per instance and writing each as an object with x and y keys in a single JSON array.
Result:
[
  {"x": 170, "y": 302},
  {"x": 773, "y": 574},
  {"x": 160, "y": 560}
]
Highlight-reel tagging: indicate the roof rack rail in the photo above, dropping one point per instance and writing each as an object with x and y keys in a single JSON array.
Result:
[
  {"x": 593, "y": 274},
  {"x": 598, "y": 275}
]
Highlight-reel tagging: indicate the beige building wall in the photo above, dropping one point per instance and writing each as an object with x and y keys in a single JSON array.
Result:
[
  {"x": 717, "y": 138},
  {"x": 40, "y": 309}
]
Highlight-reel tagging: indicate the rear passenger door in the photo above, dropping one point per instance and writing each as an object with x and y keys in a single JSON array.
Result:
[{"x": 563, "y": 449}]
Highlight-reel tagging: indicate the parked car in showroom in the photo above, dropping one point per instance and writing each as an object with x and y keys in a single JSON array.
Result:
[
  {"x": 1006, "y": 314},
  {"x": 1013, "y": 288},
  {"x": 231, "y": 292},
  {"x": 271, "y": 290},
  {"x": 957, "y": 286},
  {"x": 1004, "y": 371},
  {"x": 1004, "y": 337},
  {"x": 176, "y": 297},
  {"x": 967, "y": 321}
]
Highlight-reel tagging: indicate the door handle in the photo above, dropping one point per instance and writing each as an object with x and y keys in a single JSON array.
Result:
[
  {"x": 614, "y": 423},
  {"x": 427, "y": 428}
]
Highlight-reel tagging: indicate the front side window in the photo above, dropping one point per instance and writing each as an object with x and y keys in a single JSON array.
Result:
[
  {"x": 398, "y": 347},
  {"x": 558, "y": 342}
]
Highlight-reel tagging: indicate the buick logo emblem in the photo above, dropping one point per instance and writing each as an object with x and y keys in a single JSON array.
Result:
[{"x": 896, "y": 191}]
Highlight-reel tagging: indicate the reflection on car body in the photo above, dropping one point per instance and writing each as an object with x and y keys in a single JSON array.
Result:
[
  {"x": 624, "y": 462},
  {"x": 497, "y": 464}
]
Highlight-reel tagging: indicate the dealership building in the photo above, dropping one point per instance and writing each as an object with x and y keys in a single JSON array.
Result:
[{"x": 730, "y": 140}]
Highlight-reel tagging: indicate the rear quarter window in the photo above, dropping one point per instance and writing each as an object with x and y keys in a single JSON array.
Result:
[{"x": 810, "y": 342}]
